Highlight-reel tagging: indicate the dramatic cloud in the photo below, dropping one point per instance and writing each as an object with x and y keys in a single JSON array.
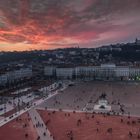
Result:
[{"x": 47, "y": 24}]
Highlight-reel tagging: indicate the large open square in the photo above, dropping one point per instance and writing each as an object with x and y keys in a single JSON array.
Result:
[
  {"x": 123, "y": 97},
  {"x": 85, "y": 126},
  {"x": 70, "y": 113}
]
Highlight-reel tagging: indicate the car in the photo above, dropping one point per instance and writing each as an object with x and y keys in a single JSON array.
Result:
[
  {"x": 1, "y": 109},
  {"x": 11, "y": 117}
]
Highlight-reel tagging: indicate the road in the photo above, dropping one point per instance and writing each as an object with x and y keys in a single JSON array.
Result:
[
  {"x": 11, "y": 104},
  {"x": 3, "y": 121}
]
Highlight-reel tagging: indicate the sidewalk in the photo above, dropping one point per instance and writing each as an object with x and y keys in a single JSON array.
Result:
[{"x": 38, "y": 123}]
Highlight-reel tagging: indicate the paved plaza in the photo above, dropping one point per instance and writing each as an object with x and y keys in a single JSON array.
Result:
[
  {"x": 89, "y": 126},
  {"x": 73, "y": 108},
  {"x": 123, "y": 97}
]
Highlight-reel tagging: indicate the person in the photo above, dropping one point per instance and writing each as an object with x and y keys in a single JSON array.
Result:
[
  {"x": 79, "y": 122},
  {"x": 130, "y": 134},
  {"x": 44, "y": 133},
  {"x": 38, "y": 138},
  {"x": 109, "y": 130},
  {"x": 97, "y": 130},
  {"x": 26, "y": 135}
]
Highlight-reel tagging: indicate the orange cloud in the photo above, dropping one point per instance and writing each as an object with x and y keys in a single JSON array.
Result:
[{"x": 47, "y": 24}]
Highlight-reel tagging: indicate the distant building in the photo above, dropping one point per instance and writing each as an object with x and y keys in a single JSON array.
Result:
[
  {"x": 102, "y": 72},
  {"x": 3, "y": 79},
  {"x": 137, "y": 42},
  {"x": 64, "y": 73},
  {"x": 15, "y": 75},
  {"x": 50, "y": 71}
]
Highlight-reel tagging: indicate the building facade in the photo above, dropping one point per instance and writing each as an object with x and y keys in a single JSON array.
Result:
[
  {"x": 102, "y": 72},
  {"x": 65, "y": 73},
  {"x": 16, "y": 75}
]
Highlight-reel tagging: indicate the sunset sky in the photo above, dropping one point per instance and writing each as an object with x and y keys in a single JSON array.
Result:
[{"x": 49, "y": 24}]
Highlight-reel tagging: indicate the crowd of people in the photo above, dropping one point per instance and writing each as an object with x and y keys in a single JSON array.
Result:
[{"x": 93, "y": 117}]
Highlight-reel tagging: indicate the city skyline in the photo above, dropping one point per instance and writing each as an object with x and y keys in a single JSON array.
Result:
[{"x": 49, "y": 24}]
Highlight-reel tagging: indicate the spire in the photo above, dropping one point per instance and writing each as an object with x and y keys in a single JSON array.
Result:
[{"x": 136, "y": 40}]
